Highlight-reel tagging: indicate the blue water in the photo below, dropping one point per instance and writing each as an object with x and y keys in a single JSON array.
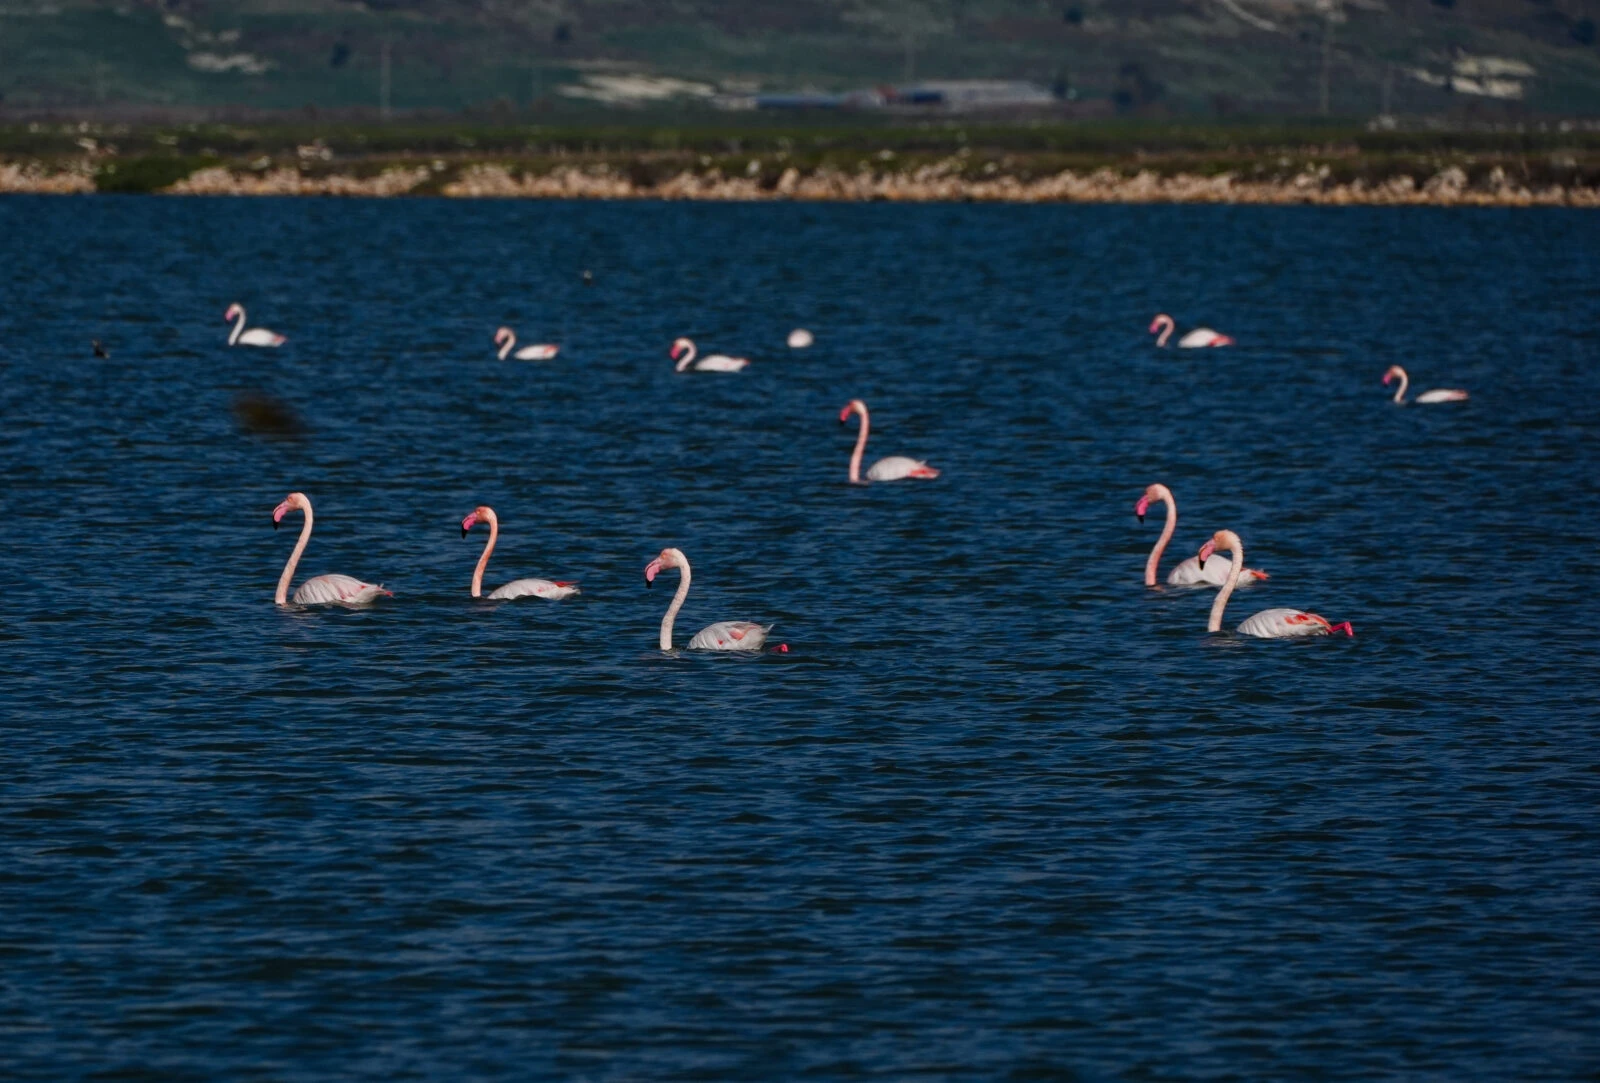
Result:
[{"x": 1000, "y": 811}]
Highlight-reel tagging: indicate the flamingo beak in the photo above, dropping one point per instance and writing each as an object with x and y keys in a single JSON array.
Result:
[
  {"x": 468, "y": 523},
  {"x": 1141, "y": 507},
  {"x": 1205, "y": 552},
  {"x": 650, "y": 571},
  {"x": 278, "y": 513}
]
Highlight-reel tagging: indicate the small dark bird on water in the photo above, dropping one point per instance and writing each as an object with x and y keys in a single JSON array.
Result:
[{"x": 99, "y": 350}]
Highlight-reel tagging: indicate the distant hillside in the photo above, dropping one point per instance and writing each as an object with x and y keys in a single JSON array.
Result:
[{"x": 1489, "y": 58}]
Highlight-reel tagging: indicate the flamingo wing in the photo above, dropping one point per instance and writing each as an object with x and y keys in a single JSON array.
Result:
[
  {"x": 536, "y": 588},
  {"x": 338, "y": 590},
  {"x": 1442, "y": 395},
  {"x": 730, "y": 635},
  {"x": 1204, "y": 336},
  {"x": 1189, "y": 573},
  {"x": 542, "y": 352}
]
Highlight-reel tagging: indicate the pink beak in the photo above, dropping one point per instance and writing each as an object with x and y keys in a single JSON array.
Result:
[
  {"x": 1155, "y": 325},
  {"x": 469, "y": 522},
  {"x": 1141, "y": 507},
  {"x": 650, "y": 571},
  {"x": 1205, "y": 552},
  {"x": 1387, "y": 377},
  {"x": 279, "y": 512}
]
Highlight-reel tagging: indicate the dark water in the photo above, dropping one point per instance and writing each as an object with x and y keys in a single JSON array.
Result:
[{"x": 1000, "y": 813}]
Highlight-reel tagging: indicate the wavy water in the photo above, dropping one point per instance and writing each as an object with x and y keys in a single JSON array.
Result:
[{"x": 1000, "y": 811}]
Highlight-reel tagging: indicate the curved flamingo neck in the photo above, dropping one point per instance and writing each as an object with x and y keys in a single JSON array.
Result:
[
  {"x": 1235, "y": 568},
  {"x": 1151, "y": 565},
  {"x": 1167, "y": 326},
  {"x": 483, "y": 561},
  {"x": 1405, "y": 382},
  {"x": 282, "y": 597},
  {"x": 686, "y": 360},
  {"x": 511, "y": 340},
  {"x": 238, "y": 329},
  {"x": 861, "y": 447},
  {"x": 677, "y": 602}
]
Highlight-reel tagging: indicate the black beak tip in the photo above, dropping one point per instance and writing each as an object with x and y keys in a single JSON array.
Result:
[
  {"x": 648, "y": 585},
  {"x": 1141, "y": 518},
  {"x": 463, "y": 532}
]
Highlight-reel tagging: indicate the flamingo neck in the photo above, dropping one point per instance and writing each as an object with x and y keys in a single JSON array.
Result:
[
  {"x": 483, "y": 561},
  {"x": 1405, "y": 381},
  {"x": 511, "y": 340},
  {"x": 238, "y": 328},
  {"x": 861, "y": 448},
  {"x": 687, "y": 359},
  {"x": 282, "y": 597},
  {"x": 1151, "y": 565},
  {"x": 1234, "y": 569},
  {"x": 677, "y": 604},
  {"x": 1167, "y": 326}
]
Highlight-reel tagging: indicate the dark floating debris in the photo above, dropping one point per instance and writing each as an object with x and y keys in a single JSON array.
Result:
[
  {"x": 588, "y": 277},
  {"x": 100, "y": 350},
  {"x": 263, "y": 415}
]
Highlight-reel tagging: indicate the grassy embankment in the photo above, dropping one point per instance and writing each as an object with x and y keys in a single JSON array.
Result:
[{"x": 132, "y": 158}]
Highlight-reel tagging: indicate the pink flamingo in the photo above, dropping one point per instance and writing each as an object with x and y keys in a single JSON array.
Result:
[
  {"x": 506, "y": 338},
  {"x": 727, "y": 635},
  {"x": 716, "y": 362},
  {"x": 1200, "y": 336},
  {"x": 1438, "y": 395},
  {"x": 519, "y": 588},
  {"x": 1269, "y": 623},
  {"x": 256, "y": 336},
  {"x": 323, "y": 589},
  {"x": 891, "y": 468},
  {"x": 1188, "y": 573}
]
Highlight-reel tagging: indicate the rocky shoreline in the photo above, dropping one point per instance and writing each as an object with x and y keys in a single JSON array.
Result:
[{"x": 936, "y": 183}]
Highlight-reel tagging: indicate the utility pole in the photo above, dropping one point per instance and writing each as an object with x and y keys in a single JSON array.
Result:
[{"x": 383, "y": 80}]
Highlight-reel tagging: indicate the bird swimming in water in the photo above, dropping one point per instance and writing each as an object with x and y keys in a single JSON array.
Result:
[{"x": 100, "y": 350}]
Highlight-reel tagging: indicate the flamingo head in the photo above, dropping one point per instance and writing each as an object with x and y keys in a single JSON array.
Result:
[
  {"x": 669, "y": 558},
  {"x": 1223, "y": 539},
  {"x": 290, "y": 503},
  {"x": 234, "y": 311},
  {"x": 482, "y": 513},
  {"x": 502, "y": 334},
  {"x": 1153, "y": 494},
  {"x": 680, "y": 346},
  {"x": 1395, "y": 373},
  {"x": 854, "y": 406},
  {"x": 1161, "y": 320}
]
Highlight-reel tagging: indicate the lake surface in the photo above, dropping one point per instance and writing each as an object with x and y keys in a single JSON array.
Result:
[{"x": 999, "y": 812}]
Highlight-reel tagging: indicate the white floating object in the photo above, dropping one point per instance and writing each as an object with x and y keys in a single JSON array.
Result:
[{"x": 800, "y": 338}]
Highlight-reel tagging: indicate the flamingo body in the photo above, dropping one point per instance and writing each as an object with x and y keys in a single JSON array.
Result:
[
  {"x": 1163, "y": 325},
  {"x": 1189, "y": 573},
  {"x": 1427, "y": 398},
  {"x": 1269, "y": 623},
  {"x": 898, "y": 467},
  {"x": 890, "y": 468},
  {"x": 256, "y": 336},
  {"x": 337, "y": 590},
  {"x": 728, "y": 635},
  {"x": 800, "y": 338},
  {"x": 554, "y": 589},
  {"x": 322, "y": 589},
  {"x": 506, "y": 338},
  {"x": 683, "y": 352}
]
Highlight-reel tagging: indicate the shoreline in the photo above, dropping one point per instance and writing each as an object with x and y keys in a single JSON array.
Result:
[{"x": 940, "y": 182}]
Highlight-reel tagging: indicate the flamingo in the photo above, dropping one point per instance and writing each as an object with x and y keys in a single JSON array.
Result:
[
  {"x": 323, "y": 589},
  {"x": 256, "y": 336},
  {"x": 520, "y": 588},
  {"x": 891, "y": 468},
  {"x": 1188, "y": 573},
  {"x": 1269, "y": 623},
  {"x": 713, "y": 363},
  {"x": 506, "y": 338},
  {"x": 1437, "y": 395},
  {"x": 1200, "y": 336},
  {"x": 800, "y": 338},
  {"x": 727, "y": 635}
]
